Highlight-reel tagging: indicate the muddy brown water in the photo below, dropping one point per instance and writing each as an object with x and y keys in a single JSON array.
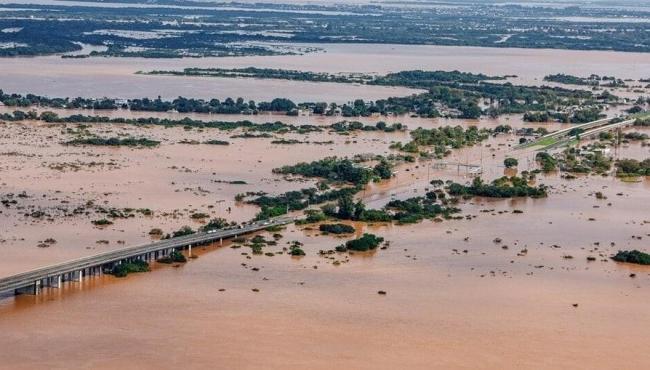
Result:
[
  {"x": 114, "y": 77},
  {"x": 455, "y": 298}
]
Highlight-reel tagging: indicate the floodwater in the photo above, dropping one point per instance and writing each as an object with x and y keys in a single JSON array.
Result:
[
  {"x": 115, "y": 77},
  {"x": 441, "y": 301},
  {"x": 455, "y": 297}
]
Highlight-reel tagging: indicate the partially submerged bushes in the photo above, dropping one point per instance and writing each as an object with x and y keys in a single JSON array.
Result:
[
  {"x": 633, "y": 256},
  {"x": 173, "y": 257},
  {"x": 442, "y": 139},
  {"x": 114, "y": 141},
  {"x": 123, "y": 269},
  {"x": 632, "y": 167},
  {"x": 296, "y": 250},
  {"x": 504, "y": 187},
  {"x": 338, "y": 169},
  {"x": 102, "y": 222},
  {"x": 337, "y": 228},
  {"x": 365, "y": 243}
]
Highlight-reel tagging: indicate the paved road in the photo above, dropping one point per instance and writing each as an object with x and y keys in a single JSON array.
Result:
[{"x": 24, "y": 279}]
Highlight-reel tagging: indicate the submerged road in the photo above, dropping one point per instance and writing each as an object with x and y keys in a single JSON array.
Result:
[{"x": 31, "y": 282}]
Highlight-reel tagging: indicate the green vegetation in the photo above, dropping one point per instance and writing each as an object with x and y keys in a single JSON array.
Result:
[
  {"x": 505, "y": 187},
  {"x": 102, "y": 222},
  {"x": 547, "y": 161},
  {"x": 584, "y": 160},
  {"x": 365, "y": 243},
  {"x": 547, "y": 142},
  {"x": 453, "y": 94},
  {"x": 593, "y": 80},
  {"x": 183, "y": 231},
  {"x": 450, "y": 94},
  {"x": 114, "y": 141},
  {"x": 643, "y": 122},
  {"x": 442, "y": 139},
  {"x": 414, "y": 210},
  {"x": 411, "y": 210},
  {"x": 338, "y": 169},
  {"x": 123, "y": 269},
  {"x": 173, "y": 257},
  {"x": 635, "y": 136},
  {"x": 216, "y": 142},
  {"x": 351, "y": 126},
  {"x": 537, "y": 117},
  {"x": 586, "y": 113},
  {"x": 167, "y": 29},
  {"x": 510, "y": 162},
  {"x": 337, "y": 228},
  {"x": 632, "y": 167},
  {"x": 296, "y": 250},
  {"x": 217, "y": 223},
  {"x": 266, "y": 73},
  {"x": 273, "y": 206},
  {"x": 343, "y": 170},
  {"x": 634, "y": 256},
  {"x": 276, "y": 127}
]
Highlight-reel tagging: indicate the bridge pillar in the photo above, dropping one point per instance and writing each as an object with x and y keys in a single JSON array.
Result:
[
  {"x": 32, "y": 289},
  {"x": 52, "y": 281},
  {"x": 78, "y": 276},
  {"x": 55, "y": 281},
  {"x": 189, "y": 249},
  {"x": 221, "y": 241}
]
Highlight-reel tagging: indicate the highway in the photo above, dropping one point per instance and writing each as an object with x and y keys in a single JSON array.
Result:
[
  {"x": 561, "y": 137},
  {"x": 76, "y": 269}
]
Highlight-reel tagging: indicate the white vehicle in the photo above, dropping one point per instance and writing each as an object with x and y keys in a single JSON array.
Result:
[{"x": 212, "y": 231}]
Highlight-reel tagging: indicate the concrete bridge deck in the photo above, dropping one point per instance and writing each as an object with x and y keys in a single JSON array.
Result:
[
  {"x": 53, "y": 276},
  {"x": 561, "y": 137}
]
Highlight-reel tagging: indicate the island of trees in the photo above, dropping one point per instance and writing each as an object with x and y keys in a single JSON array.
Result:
[{"x": 450, "y": 94}]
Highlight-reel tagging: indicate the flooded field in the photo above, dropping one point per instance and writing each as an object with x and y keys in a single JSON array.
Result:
[
  {"x": 532, "y": 289},
  {"x": 114, "y": 77}
]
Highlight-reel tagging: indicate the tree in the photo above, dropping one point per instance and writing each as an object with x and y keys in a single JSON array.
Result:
[
  {"x": 384, "y": 169},
  {"x": 346, "y": 207},
  {"x": 510, "y": 162},
  {"x": 359, "y": 209}
]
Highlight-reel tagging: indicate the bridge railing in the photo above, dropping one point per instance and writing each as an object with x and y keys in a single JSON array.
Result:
[{"x": 26, "y": 278}]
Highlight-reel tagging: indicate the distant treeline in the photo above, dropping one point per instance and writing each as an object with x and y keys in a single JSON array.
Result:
[
  {"x": 450, "y": 94},
  {"x": 276, "y": 127},
  {"x": 592, "y": 80}
]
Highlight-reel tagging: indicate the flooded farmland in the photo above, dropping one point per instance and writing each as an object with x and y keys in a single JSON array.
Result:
[
  {"x": 115, "y": 77},
  {"x": 533, "y": 289}
]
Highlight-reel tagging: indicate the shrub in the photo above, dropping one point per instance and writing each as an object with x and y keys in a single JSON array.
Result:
[
  {"x": 337, "y": 228},
  {"x": 123, "y": 269},
  {"x": 185, "y": 230},
  {"x": 510, "y": 162},
  {"x": 174, "y": 256},
  {"x": 365, "y": 243},
  {"x": 633, "y": 256}
]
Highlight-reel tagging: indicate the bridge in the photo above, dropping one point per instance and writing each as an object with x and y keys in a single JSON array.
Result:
[
  {"x": 564, "y": 136},
  {"x": 613, "y": 126},
  {"x": 53, "y": 276}
]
